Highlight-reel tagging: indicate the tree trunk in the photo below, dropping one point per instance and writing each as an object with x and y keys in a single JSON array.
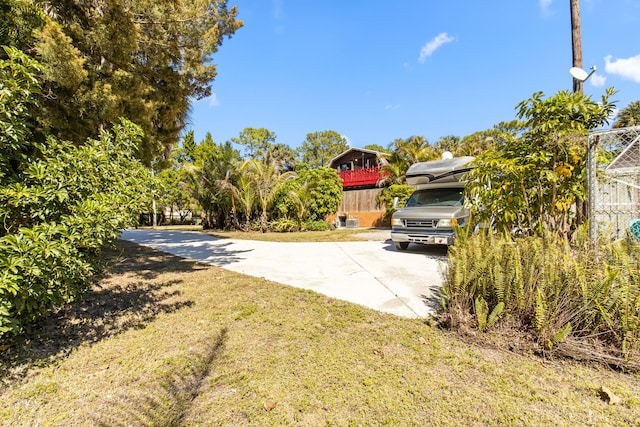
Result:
[
  {"x": 263, "y": 221},
  {"x": 234, "y": 219},
  {"x": 155, "y": 213}
]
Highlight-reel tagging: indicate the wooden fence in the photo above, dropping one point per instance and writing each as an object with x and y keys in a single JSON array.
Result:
[{"x": 360, "y": 201}]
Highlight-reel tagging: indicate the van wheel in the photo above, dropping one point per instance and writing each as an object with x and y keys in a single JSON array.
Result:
[{"x": 401, "y": 246}]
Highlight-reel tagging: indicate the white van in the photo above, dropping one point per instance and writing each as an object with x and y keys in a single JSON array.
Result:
[{"x": 436, "y": 205}]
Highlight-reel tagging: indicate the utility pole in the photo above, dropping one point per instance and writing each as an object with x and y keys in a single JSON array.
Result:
[
  {"x": 576, "y": 41},
  {"x": 582, "y": 206}
]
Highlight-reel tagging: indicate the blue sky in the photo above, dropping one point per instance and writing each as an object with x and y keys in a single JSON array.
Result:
[{"x": 375, "y": 70}]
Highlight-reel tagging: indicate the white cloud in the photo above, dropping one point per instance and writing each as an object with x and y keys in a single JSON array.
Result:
[
  {"x": 545, "y": 4},
  {"x": 392, "y": 107},
  {"x": 597, "y": 80},
  {"x": 628, "y": 68},
  {"x": 213, "y": 100},
  {"x": 433, "y": 45}
]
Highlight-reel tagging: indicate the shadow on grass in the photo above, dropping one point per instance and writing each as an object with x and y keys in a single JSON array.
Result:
[
  {"x": 125, "y": 300},
  {"x": 145, "y": 262},
  {"x": 188, "y": 244},
  {"x": 170, "y": 402}
]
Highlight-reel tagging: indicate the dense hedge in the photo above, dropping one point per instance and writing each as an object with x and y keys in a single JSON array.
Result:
[
  {"x": 59, "y": 204},
  {"x": 319, "y": 191}
]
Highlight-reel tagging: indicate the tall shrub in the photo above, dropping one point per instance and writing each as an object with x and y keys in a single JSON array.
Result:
[
  {"x": 533, "y": 180},
  {"x": 325, "y": 189},
  {"x": 311, "y": 196},
  {"x": 59, "y": 204}
]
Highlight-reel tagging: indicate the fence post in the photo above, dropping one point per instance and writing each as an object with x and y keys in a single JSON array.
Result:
[{"x": 592, "y": 147}]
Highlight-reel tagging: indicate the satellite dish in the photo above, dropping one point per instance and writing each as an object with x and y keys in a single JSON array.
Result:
[
  {"x": 578, "y": 73},
  {"x": 447, "y": 155}
]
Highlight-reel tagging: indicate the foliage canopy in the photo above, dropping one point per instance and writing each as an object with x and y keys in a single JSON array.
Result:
[
  {"x": 144, "y": 60},
  {"x": 59, "y": 204},
  {"x": 319, "y": 148},
  {"x": 628, "y": 116},
  {"x": 529, "y": 181}
]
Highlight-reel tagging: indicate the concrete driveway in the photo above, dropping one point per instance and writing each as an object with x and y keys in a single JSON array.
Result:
[{"x": 370, "y": 273}]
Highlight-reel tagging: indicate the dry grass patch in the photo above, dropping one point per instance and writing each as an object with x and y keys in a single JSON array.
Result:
[
  {"x": 340, "y": 235},
  {"x": 163, "y": 341}
]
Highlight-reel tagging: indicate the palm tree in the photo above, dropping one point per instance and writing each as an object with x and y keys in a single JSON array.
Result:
[
  {"x": 406, "y": 152},
  {"x": 266, "y": 181},
  {"x": 242, "y": 193},
  {"x": 628, "y": 116},
  {"x": 302, "y": 199},
  {"x": 207, "y": 177},
  {"x": 449, "y": 143},
  {"x": 394, "y": 171},
  {"x": 246, "y": 197},
  {"x": 202, "y": 194},
  {"x": 415, "y": 149}
]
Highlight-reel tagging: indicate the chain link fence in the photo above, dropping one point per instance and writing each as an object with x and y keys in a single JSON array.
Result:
[{"x": 613, "y": 180}]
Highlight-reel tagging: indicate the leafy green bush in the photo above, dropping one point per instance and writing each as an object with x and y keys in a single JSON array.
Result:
[
  {"x": 388, "y": 194},
  {"x": 65, "y": 207},
  {"x": 256, "y": 225},
  {"x": 59, "y": 204},
  {"x": 534, "y": 180},
  {"x": 560, "y": 294},
  {"x": 325, "y": 189},
  {"x": 316, "y": 226},
  {"x": 312, "y": 195},
  {"x": 283, "y": 225},
  {"x": 287, "y": 203}
]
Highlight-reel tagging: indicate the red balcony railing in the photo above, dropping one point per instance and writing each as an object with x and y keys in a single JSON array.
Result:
[{"x": 353, "y": 178}]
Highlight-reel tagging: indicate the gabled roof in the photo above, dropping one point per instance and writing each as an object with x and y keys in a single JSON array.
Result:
[
  {"x": 630, "y": 156},
  {"x": 378, "y": 154}
]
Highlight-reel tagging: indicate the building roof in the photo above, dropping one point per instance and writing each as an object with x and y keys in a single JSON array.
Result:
[
  {"x": 629, "y": 157},
  {"x": 353, "y": 150}
]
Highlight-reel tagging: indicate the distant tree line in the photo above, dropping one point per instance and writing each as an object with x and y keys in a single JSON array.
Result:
[
  {"x": 267, "y": 187},
  {"x": 222, "y": 182}
]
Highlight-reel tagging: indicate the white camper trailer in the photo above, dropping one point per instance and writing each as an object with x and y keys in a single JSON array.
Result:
[{"x": 435, "y": 207}]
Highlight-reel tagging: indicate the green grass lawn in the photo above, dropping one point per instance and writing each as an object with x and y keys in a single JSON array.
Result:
[
  {"x": 164, "y": 341},
  {"x": 337, "y": 235}
]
